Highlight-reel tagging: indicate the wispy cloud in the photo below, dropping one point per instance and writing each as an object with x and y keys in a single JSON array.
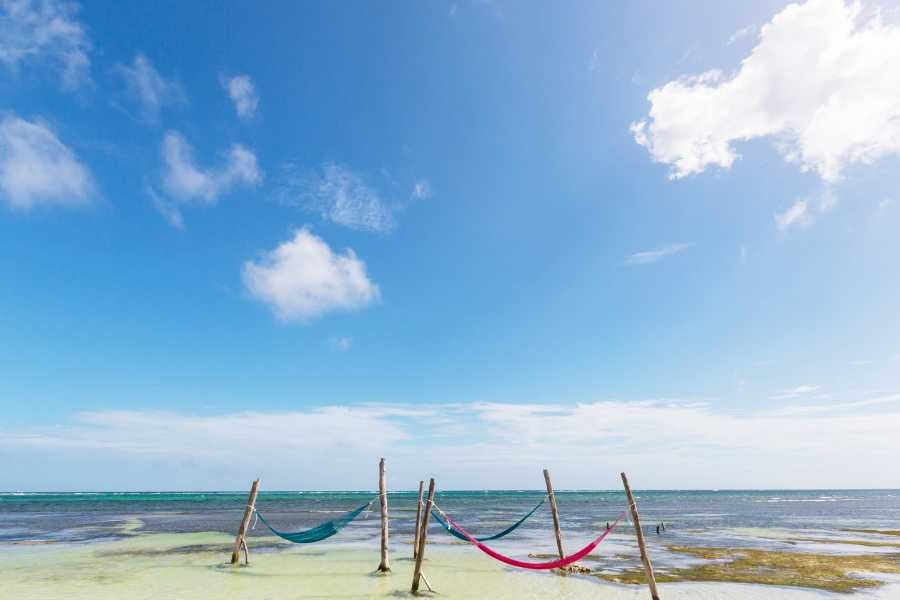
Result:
[
  {"x": 740, "y": 34},
  {"x": 651, "y": 256},
  {"x": 167, "y": 208},
  {"x": 184, "y": 180},
  {"x": 803, "y": 212},
  {"x": 341, "y": 344},
  {"x": 421, "y": 189},
  {"x": 303, "y": 279},
  {"x": 37, "y": 169},
  {"x": 824, "y": 115},
  {"x": 338, "y": 194},
  {"x": 242, "y": 92},
  {"x": 150, "y": 90},
  {"x": 48, "y": 32},
  {"x": 594, "y": 63},
  {"x": 796, "y": 392},
  {"x": 491, "y": 444},
  {"x": 795, "y": 216},
  {"x": 837, "y": 407}
]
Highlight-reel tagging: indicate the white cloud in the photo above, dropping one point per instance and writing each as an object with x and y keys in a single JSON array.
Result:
[
  {"x": 480, "y": 445},
  {"x": 822, "y": 83},
  {"x": 421, "y": 190},
  {"x": 45, "y": 30},
  {"x": 885, "y": 203},
  {"x": 243, "y": 93},
  {"x": 337, "y": 194},
  {"x": 797, "y": 215},
  {"x": 37, "y": 169},
  {"x": 185, "y": 181},
  {"x": 800, "y": 390},
  {"x": 651, "y": 256},
  {"x": 148, "y": 88},
  {"x": 303, "y": 279}
]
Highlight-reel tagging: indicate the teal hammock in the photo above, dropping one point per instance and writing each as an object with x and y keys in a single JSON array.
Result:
[
  {"x": 456, "y": 533},
  {"x": 320, "y": 532}
]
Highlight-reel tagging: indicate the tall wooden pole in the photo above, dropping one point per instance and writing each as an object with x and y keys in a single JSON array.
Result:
[
  {"x": 423, "y": 533},
  {"x": 645, "y": 558},
  {"x": 385, "y": 564},
  {"x": 555, "y": 513},
  {"x": 242, "y": 530},
  {"x": 418, "y": 519}
]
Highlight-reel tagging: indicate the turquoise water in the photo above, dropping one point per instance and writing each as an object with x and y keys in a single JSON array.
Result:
[{"x": 709, "y": 516}]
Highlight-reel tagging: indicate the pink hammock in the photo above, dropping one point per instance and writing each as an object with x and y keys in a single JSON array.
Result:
[{"x": 555, "y": 564}]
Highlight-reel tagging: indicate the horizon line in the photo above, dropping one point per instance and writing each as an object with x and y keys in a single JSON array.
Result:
[{"x": 479, "y": 490}]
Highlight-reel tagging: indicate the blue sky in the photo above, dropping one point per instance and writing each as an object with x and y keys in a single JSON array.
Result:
[{"x": 476, "y": 237}]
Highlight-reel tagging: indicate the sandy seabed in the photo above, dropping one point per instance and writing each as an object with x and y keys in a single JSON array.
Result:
[{"x": 186, "y": 566}]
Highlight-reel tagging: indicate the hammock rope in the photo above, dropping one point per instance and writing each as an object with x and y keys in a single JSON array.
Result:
[
  {"x": 319, "y": 532},
  {"x": 456, "y": 533},
  {"x": 555, "y": 564}
]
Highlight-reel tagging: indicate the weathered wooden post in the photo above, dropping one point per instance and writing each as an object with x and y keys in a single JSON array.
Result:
[
  {"x": 645, "y": 558},
  {"x": 239, "y": 541},
  {"x": 423, "y": 534},
  {"x": 555, "y": 513},
  {"x": 418, "y": 520},
  {"x": 385, "y": 565}
]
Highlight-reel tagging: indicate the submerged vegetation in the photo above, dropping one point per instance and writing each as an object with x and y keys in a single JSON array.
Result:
[
  {"x": 831, "y": 572},
  {"x": 222, "y": 548}
]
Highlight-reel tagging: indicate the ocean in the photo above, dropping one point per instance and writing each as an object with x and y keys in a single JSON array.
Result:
[
  {"x": 755, "y": 544},
  {"x": 697, "y": 516}
]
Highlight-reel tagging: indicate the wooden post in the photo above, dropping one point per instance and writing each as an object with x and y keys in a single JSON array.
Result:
[
  {"x": 385, "y": 565},
  {"x": 423, "y": 534},
  {"x": 242, "y": 530},
  {"x": 553, "y": 511},
  {"x": 246, "y": 552},
  {"x": 645, "y": 558},
  {"x": 418, "y": 520}
]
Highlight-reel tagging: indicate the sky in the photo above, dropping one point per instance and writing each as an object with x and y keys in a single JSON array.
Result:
[{"x": 478, "y": 238}]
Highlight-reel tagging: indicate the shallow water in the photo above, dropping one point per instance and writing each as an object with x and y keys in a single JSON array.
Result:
[
  {"x": 83, "y": 516},
  {"x": 174, "y": 545},
  {"x": 150, "y": 566}
]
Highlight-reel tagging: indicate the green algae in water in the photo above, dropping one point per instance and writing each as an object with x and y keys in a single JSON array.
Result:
[{"x": 770, "y": 567}]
